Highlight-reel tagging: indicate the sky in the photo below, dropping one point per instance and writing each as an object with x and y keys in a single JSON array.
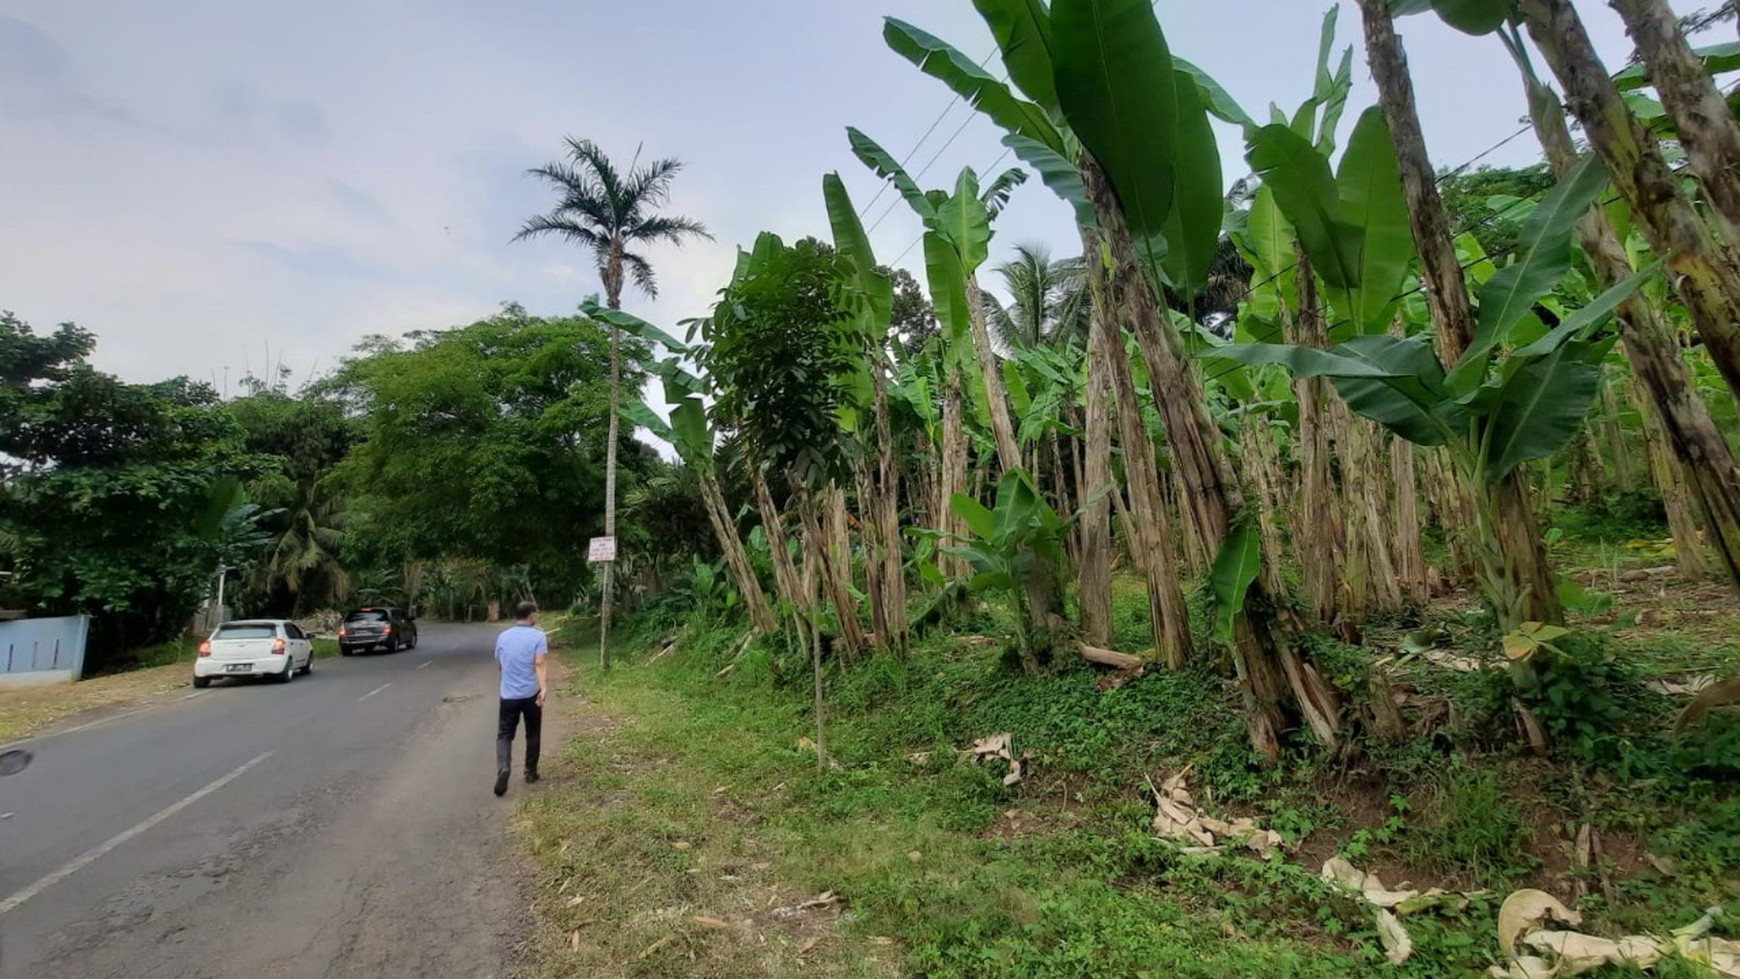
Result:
[{"x": 216, "y": 188}]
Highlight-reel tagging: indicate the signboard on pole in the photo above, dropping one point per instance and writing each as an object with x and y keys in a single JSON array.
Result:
[{"x": 601, "y": 550}]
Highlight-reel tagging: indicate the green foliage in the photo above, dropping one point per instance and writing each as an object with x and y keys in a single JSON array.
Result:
[
  {"x": 781, "y": 344},
  {"x": 120, "y": 500},
  {"x": 477, "y": 441}
]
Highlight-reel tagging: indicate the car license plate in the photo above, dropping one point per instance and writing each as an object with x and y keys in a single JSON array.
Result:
[{"x": 239, "y": 668}]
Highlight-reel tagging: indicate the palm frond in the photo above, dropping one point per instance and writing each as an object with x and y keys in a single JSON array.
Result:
[
  {"x": 650, "y": 186},
  {"x": 556, "y": 224},
  {"x": 672, "y": 229},
  {"x": 641, "y": 271}
]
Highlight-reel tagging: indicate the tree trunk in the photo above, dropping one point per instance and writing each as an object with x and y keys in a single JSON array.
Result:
[
  {"x": 1368, "y": 500},
  {"x": 1149, "y": 531},
  {"x": 785, "y": 573},
  {"x": 737, "y": 557},
  {"x": 1614, "y": 434},
  {"x": 1262, "y": 458},
  {"x": 871, "y": 534},
  {"x": 886, "y": 518},
  {"x": 1094, "y": 577},
  {"x": 1525, "y": 574},
  {"x": 1704, "y": 123},
  {"x": 1320, "y": 532},
  {"x": 1676, "y": 496},
  {"x": 1274, "y": 677},
  {"x": 834, "y": 578},
  {"x": 1704, "y": 270},
  {"x": 1410, "y": 555},
  {"x": 1705, "y": 459},
  {"x": 954, "y": 472},
  {"x": 1002, "y": 426}
]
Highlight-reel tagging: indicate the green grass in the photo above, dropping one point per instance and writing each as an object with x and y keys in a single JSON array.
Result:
[{"x": 689, "y": 794}]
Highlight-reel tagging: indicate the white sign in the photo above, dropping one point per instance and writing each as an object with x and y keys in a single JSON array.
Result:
[{"x": 601, "y": 550}]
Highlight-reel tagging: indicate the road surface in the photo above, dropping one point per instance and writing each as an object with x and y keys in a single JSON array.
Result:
[{"x": 340, "y": 826}]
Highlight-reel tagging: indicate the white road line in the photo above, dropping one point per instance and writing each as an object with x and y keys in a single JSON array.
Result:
[
  {"x": 371, "y": 693},
  {"x": 424, "y": 663},
  {"x": 82, "y": 727},
  {"x": 91, "y": 856}
]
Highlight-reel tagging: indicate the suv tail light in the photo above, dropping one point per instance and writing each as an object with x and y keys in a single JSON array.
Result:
[
  {"x": 341, "y": 632},
  {"x": 278, "y": 647},
  {"x": 205, "y": 648},
  {"x": 386, "y": 630}
]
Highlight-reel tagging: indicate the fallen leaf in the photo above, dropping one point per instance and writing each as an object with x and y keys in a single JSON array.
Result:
[
  {"x": 715, "y": 924},
  {"x": 576, "y": 901},
  {"x": 655, "y": 946},
  {"x": 1526, "y": 908},
  {"x": 1398, "y": 945},
  {"x": 574, "y": 941}
]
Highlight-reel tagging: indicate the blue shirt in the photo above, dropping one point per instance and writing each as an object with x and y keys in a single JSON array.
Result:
[{"x": 517, "y": 650}]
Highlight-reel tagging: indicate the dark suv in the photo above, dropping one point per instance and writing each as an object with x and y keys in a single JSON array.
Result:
[{"x": 391, "y": 629}]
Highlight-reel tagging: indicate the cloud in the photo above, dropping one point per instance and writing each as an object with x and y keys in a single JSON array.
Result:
[{"x": 206, "y": 180}]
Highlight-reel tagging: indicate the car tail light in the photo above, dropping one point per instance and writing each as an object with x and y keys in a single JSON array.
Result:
[
  {"x": 205, "y": 648},
  {"x": 341, "y": 632},
  {"x": 387, "y": 631},
  {"x": 278, "y": 646}
]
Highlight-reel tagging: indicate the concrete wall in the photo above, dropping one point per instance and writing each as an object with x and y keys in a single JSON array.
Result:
[{"x": 43, "y": 650}]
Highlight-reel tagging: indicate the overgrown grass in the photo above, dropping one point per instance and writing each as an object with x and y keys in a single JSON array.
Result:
[{"x": 690, "y": 794}]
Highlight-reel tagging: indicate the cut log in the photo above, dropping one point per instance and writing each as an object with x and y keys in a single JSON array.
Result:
[{"x": 1107, "y": 657}]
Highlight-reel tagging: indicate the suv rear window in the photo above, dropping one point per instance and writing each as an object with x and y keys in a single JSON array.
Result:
[
  {"x": 367, "y": 615},
  {"x": 246, "y": 632}
]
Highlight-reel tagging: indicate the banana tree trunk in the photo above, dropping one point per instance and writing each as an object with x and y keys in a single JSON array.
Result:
[
  {"x": 819, "y": 539},
  {"x": 1702, "y": 120},
  {"x": 1368, "y": 498},
  {"x": 1529, "y": 591},
  {"x": 1320, "y": 534},
  {"x": 1149, "y": 531},
  {"x": 1094, "y": 570},
  {"x": 1410, "y": 555},
  {"x": 1613, "y": 433},
  {"x": 1002, "y": 426},
  {"x": 1702, "y": 454},
  {"x": 871, "y": 535},
  {"x": 953, "y": 476},
  {"x": 885, "y": 511},
  {"x": 737, "y": 557},
  {"x": 1705, "y": 270},
  {"x": 1262, "y": 459},
  {"x": 1274, "y": 677},
  {"x": 1676, "y": 494},
  {"x": 785, "y": 573}
]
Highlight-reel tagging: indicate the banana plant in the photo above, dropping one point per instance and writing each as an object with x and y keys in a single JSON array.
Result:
[
  {"x": 1009, "y": 545},
  {"x": 1491, "y": 416}
]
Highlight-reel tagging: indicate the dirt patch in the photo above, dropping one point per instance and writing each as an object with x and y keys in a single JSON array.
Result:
[{"x": 28, "y": 711}]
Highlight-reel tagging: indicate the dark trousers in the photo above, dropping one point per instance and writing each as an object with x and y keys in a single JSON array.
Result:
[{"x": 511, "y": 712}]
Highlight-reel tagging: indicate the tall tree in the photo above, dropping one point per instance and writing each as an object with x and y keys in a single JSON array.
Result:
[
  {"x": 612, "y": 214},
  {"x": 1048, "y": 299}
]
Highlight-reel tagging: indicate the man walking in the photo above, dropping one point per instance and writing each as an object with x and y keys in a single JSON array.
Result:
[{"x": 524, "y": 682}]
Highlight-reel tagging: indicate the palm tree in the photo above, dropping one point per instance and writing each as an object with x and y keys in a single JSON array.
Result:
[
  {"x": 303, "y": 560},
  {"x": 1049, "y": 300},
  {"x": 610, "y": 212}
]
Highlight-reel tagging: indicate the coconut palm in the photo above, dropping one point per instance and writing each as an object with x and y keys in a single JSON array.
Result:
[
  {"x": 612, "y": 213},
  {"x": 303, "y": 559},
  {"x": 1049, "y": 301}
]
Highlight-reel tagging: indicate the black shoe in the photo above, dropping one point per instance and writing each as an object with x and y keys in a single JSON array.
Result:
[
  {"x": 531, "y": 778},
  {"x": 501, "y": 780}
]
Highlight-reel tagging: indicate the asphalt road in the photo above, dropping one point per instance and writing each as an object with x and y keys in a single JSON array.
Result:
[{"x": 339, "y": 826}]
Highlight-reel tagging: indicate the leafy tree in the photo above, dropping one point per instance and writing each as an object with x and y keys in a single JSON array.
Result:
[
  {"x": 1481, "y": 202},
  {"x": 483, "y": 442},
  {"x": 120, "y": 498},
  {"x": 609, "y": 213}
]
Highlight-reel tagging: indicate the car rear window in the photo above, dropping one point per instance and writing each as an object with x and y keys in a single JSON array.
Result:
[
  {"x": 367, "y": 615},
  {"x": 246, "y": 632}
]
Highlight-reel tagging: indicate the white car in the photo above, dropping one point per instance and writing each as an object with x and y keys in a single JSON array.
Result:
[{"x": 254, "y": 647}]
